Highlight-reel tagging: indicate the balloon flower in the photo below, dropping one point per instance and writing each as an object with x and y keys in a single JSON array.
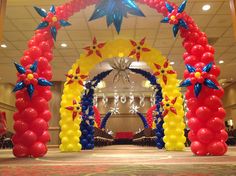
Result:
[
  {"x": 168, "y": 105},
  {"x": 199, "y": 77},
  {"x": 176, "y": 17},
  {"x": 51, "y": 20},
  {"x": 95, "y": 48},
  {"x": 77, "y": 77},
  {"x": 75, "y": 108},
  {"x": 29, "y": 79},
  {"x": 138, "y": 48}
]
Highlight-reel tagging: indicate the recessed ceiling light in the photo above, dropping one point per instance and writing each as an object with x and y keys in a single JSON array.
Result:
[
  {"x": 3, "y": 45},
  {"x": 221, "y": 62},
  {"x": 206, "y": 7},
  {"x": 172, "y": 63},
  {"x": 64, "y": 45}
]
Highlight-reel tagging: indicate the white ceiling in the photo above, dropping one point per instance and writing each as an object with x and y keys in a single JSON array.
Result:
[{"x": 21, "y": 20}]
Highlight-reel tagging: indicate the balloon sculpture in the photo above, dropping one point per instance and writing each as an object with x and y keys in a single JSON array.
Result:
[{"x": 205, "y": 115}]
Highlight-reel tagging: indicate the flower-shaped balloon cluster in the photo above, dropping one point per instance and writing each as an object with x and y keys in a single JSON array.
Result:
[
  {"x": 51, "y": 20},
  {"x": 28, "y": 78},
  {"x": 95, "y": 48},
  {"x": 75, "y": 108},
  {"x": 138, "y": 48},
  {"x": 199, "y": 77},
  {"x": 168, "y": 105},
  {"x": 175, "y": 17},
  {"x": 163, "y": 71},
  {"x": 77, "y": 77}
]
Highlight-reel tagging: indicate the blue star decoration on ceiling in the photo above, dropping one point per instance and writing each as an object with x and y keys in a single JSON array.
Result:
[
  {"x": 51, "y": 20},
  {"x": 115, "y": 10},
  {"x": 199, "y": 77},
  {"x": 175, "y": 17},
  {"x": 28, "y": 78}
]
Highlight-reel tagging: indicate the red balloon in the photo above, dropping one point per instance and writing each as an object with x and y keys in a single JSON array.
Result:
[
  {"x": 39, "y": 37},
  {"x": 48, "y": 55},
  {"x": 216, "y": 124},
  {"x": 40, "y": 104},
  {"x": 203, "y": 113},
  {"x": 16, "y": 139},
  {"x": 189, "y": 114},
  {"x": 215, "y": 70},
  {"x": 16, "y": 116},
  {"x": 205, "y": 135},
  {"x": 185, "y": 55},
  {"x": 190, "y": 60},
  {"x": 198, "y": 148},
  {"x": 42, "y": 63},
  {"x": 213, "y": 102},
  {"x": 47, "y": 74},
  {"x": 210, "y": 49},
  {"x": 207, "y": 58},
  {"x": 222, "y": 136},
  {"x": 44, "y": 46},
  {"x": 20, "y": 126},
  {"x": 197, "y": 50},
  {"x": 202, "y": 41},
  {"x": 216, "y": 148},
  {"x": 220, "y": 92},
  {"x": 47, "y": 94},
  {"x": 25, "y": 60},
  {"x": 29, "y": 114},
  {"x": 21, "y": 104},
  {"x": 38, "y": 150},
  {"x": 35, "y": 52},
  {"x": 192, "y": 136},
  {"x": 194, "y": 124},
  {"x": 31, "y": 43},
  {"x": 39, "y": 126},
  {"x": 46, "y": 115},
  {"x": 220, "y": 113},
  {"x": 45, "y": 137},
  {"x": 192, "y": 104},
  {"x": 28, "y": 138},
  {"x": 188, "y": 46},
  {"x": 20, "y": 151}
]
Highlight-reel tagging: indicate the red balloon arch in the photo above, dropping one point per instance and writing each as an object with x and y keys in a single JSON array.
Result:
[{"x": 205, "y": 115}]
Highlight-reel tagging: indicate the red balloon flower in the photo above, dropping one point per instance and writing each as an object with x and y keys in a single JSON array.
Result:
[
  {"x": 168, "y": 105},
  {"x": 76, "y": 77},
  {"x": 138, "y": 48},
  {"x": 95, "y": 48},
  {"x": 75, "y": 108},
  {"x": 163, "y": 71}
]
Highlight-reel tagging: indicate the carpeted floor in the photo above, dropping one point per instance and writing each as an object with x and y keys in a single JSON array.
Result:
[{"x": 122, "y": 160}]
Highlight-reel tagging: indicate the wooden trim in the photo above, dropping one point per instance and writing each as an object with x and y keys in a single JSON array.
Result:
[
  {"x": 3, "y": 4},
  {"x": 53, "y": 146},
  {"x": 54, "y": 128},
  {"x": 233, "y": 11},
  {"x": 7, "y": 107}
]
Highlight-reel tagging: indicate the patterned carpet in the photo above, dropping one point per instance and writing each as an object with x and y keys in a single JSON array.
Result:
[{"x": 119, "y": 161}]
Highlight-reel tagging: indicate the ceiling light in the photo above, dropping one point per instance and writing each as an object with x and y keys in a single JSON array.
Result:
[
  {"x": 172, "y": 63},
  {"x": 3, "y": 45},
  {"x": 221, "y": 62},
  {"x": 206, "y": 7},
  {"x": 63, "y": 45}
]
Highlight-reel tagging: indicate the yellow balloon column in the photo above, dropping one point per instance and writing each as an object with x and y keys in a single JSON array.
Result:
[{"x": 70, "y": 124}]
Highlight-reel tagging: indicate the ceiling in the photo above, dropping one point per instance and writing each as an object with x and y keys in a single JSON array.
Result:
[{"x": 21, "y": 20}]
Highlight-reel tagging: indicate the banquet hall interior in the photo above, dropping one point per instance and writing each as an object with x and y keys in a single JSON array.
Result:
[{"x": 117, "y": 87}]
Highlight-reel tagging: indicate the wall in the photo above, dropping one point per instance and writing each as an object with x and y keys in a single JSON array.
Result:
[
  {"x": 7, "y": 103},
  {"x": 229, "y": 102}
]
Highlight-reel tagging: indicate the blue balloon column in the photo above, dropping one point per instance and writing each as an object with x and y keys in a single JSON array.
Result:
[
  {"x": 144, "y": 120},
  {"x": 158, "y": 98},
  {"x": 104, "y": 120},
  {"x": 86, "y": 126}
]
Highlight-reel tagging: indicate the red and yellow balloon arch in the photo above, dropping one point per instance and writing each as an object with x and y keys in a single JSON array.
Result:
[{"x": 205, "y": 112}]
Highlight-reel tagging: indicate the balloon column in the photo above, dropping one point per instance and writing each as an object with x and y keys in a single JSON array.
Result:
[
  {"x": 97, "y": 116},
  {"x": 145, "y": 124}
]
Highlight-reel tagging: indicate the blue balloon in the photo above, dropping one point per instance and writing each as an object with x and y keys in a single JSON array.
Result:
[
  {"x": 42, "y": 25},
  {"x": 190, "y": 68},
  {"x": 176, "y": 29},
  {"x": 54, "y": 32},
  {"x": 52, "y": 9},
  {"x": 41, "y": 11},
  {"x": 182, "y": 6},
  {"x": 169, "y": 7},
  {"x": 210, "y": 84},
  {"x": 19, "y": 68},
  {"x": 183, "y": 24},
  {"x": 44, "y": 82},
  {"x": 186, "y": 83},
  {"x": 197, "y": 89},
  {"x": 30, "y": 90},
  {"x": 64, "y": 23},
  {"x": 19, "y": 86},
  {"x": 208, "y": 67}
]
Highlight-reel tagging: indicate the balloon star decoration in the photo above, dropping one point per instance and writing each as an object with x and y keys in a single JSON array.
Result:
[
  {"x": 115, "y": 10},
  {"x": 168, "y": 105},
  {"x": 29, "y": 79},
  {"x": 163, "y": 71},
  {"x": 133, "y": 109},
  {"x": 175, "y": 17},
  {"x": 199, "y": 77},
  {"x": 95, "y": 48},
  {"x": 77, "y": 77},
  {"x": 138, "y": 48},
  {"x": 75, "y": 108},
  {"x": 51, "y": 20},
  {"x": 121, "y": 69}
]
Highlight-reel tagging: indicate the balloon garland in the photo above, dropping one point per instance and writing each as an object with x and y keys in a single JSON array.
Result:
[
  {"x": 145, "y": 125},
  {"x": 198, "y": 54}
]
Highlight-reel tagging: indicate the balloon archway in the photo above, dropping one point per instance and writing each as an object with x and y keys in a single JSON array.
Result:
[{"x": 205, "y": 115}]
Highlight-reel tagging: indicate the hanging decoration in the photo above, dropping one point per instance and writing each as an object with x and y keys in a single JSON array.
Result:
[
  {"x": 95, "y": 48},
  {"x": 115, "y": 11},
  {"x": 138, "y": 48},
  {"x": 199, "y": 77},
  {"x": 77, "y": 77},
  {"x": 51, "y": 20},
  {"x": 163, "y": 71},
  {"x": 104, "y": 100},
  {"x": 175, "y": 17},
  {"x": 123, "y": 99},
  {"x": 29, "y": 79},
  {"x": 133, "y": 109},
  {"x": 121, "y": 69},
  {"x": 141, "y": 101}
]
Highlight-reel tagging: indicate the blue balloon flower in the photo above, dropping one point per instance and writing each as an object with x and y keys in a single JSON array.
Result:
[
  {"x": 199, "y": 77},
  {"x": 115, "y": 10},
  {"x": 28, "y": 78},
  {"x": 176, "y": 17},
  {"x": 54, "y": 21}
]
